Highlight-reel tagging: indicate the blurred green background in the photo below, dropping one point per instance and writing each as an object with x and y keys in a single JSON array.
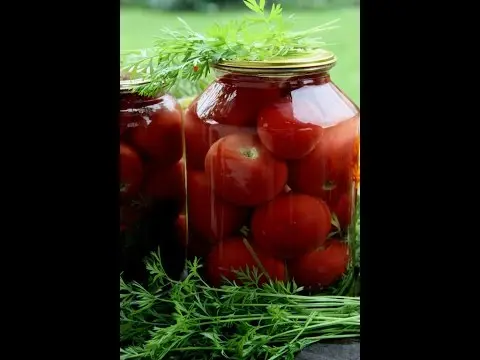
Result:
[{"x": 140, "y": 20}]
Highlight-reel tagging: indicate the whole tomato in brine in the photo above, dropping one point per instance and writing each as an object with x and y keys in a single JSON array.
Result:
[
  {"x": 328, "y": 171},
  {"x": 159, "y": 136},
  {"x": 243, "y": 171},
  {"x": 289, "y": 130},
  {"x": 290, "y": 225},
  {"x": 209, "y": 216},
  {"x": 131, "y": 172},
  {"x": 236, "y": 101},
  {"x": 233, "y": 255},
  {"x": 165, "y": 182},
  {"x": 320, "y": 268},
  {"x": 200, "y": 135}
]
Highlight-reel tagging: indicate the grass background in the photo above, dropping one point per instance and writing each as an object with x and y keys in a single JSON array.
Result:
[{"x": 138, "y": 27}]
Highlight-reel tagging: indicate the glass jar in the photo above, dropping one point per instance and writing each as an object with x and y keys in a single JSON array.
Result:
[
  {"x": 152, "y": 181},
  {"x": 272, "y": 154}
]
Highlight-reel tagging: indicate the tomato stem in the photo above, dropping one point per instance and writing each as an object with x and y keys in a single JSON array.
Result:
[{"x": 250, "y": 153}]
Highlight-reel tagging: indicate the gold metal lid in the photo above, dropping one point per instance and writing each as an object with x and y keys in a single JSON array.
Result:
[
  {"x": 129, "y": 85},
  {"x": 320, "y": 61}
]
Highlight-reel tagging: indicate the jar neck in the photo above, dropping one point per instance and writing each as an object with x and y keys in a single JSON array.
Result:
[
  {"x": 277, "y": 80},
  {"x": 311, "y": 79},
  {"x": 130, "y": 100}
]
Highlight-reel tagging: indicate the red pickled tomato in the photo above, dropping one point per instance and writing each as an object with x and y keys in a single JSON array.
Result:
[
  {"x": 209, "y": 216},
  {"x": 290, "y": 225},
  {"x": 200, "y": 135},
  {"x": 236, "y": 100},
  {"x": 197, "y": 138},
  {"x": 133, "y": 109},
  {"x": 289, "y": 129},
  {"x": 165, "y": 182},
  {"x": 320, "y": 268},
  {"x": 131, "y": 172},
  {"x": 243, "y": 171},
  {"x": 160, "y": 135},
  {"x": 196, "y": 246},
  {"x": 233, "y": 255},
  {"x": 327, "y": 172}
]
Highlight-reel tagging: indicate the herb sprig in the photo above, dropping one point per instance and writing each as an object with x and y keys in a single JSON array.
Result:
[
  {"x": 186, "y": 54},
  {"x": 190, "y": 320}
]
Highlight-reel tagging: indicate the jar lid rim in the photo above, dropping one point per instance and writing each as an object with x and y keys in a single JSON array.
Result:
[{"x": 319, "y": 60}]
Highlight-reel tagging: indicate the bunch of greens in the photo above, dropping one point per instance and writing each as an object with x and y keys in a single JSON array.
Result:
[
  {"x": 190, "y": 320},
  {"x": 188, "y": 55}
]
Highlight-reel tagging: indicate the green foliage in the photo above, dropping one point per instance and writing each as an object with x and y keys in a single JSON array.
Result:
[
  {"x": 140, "y": 26},
  {"x": 186, "y": 54},
  {"x": 188, "y": 319}
]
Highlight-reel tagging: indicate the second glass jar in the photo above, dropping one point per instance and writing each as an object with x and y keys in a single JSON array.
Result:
[{"x": 152, "y": 181}]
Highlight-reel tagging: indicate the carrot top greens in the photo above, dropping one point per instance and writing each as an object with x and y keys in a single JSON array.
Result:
[{"x": 262, "y": 34}]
